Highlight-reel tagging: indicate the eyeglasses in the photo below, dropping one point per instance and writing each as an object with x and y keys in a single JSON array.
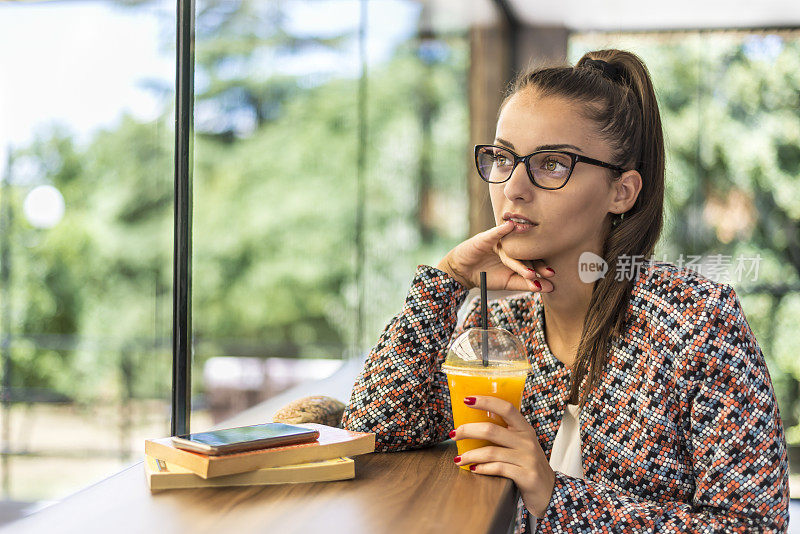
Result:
[{"x": 548, "y": 169}]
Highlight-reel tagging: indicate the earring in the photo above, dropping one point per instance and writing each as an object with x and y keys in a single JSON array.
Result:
[{"x": 617, "y": 220}]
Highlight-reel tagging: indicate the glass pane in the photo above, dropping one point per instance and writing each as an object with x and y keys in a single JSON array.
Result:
[
  {"x": 86, "y": 195},
  {"x": 307, "y": 229}
]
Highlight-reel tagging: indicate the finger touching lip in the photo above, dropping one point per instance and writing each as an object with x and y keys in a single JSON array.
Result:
[{"x": 518, "y": 218}]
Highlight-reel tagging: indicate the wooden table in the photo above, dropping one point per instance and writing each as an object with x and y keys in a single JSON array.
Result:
[{"x": 407, "y": 492}]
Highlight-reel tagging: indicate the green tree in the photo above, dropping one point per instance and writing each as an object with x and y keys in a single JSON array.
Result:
[{"x": 273, "y": 231}]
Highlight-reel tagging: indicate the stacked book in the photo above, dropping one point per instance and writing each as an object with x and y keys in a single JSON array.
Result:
[{"x": 326, "y": 459}]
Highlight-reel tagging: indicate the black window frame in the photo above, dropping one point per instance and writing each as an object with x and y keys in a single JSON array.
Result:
[{"x": 182, "y": 244}]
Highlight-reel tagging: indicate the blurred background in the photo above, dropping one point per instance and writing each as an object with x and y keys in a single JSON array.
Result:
[{"x": 324, "y": 172}]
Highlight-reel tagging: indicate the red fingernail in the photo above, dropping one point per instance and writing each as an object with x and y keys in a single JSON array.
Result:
[
  {"x": 452, "y": 434},
  {"x": 537, "y": 284},
  {"x": 469, "y": 401},
  {"x": 473, "y": 467},
  {"x": 549, "y": 269},
  {"x": 457, "y": 459},
  {"x": 531, "y": 270}
]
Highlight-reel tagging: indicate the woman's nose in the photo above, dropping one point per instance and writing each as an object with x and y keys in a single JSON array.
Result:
[{"x": 519, "y": 186}]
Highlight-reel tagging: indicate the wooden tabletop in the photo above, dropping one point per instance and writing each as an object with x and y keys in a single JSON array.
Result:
[{"x": 418, "y": 491}]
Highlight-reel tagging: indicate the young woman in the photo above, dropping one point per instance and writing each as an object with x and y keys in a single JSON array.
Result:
[{"x": 649, "y": 407}]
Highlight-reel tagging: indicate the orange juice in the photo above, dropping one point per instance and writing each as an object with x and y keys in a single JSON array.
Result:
[
  {"x": 506, "y": 384},
  {"x": 489, "y": 362}
]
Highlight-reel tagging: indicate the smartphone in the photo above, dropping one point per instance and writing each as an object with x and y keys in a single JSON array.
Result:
[{"x": 244, "y": 438}]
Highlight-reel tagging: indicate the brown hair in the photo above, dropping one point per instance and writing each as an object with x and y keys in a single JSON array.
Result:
[{"x": 616, "y": 93}]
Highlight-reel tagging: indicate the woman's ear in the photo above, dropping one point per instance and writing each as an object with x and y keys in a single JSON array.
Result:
[{"x": 625, "y": 191}]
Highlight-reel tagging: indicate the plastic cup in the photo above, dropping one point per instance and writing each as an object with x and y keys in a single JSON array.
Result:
[{"x": 503, "y": 376}]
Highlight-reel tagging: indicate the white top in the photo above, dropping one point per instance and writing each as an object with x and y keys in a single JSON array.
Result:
[{"x": 566, "y": 454}]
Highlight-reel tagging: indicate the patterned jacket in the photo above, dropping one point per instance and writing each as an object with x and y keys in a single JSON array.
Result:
[{"x": 682, "y": 434}]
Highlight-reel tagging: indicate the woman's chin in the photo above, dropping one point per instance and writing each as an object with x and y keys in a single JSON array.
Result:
[{"x": 520, "y": 250}]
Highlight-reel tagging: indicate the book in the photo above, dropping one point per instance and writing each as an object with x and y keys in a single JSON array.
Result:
[
  {"x": 163, "y": 475},
  {"x": 332, "y": 443}
]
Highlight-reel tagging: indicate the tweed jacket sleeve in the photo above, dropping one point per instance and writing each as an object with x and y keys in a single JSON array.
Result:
[
  {"x": 401, "y": 393},
  {"x": 733, "y": 437}
]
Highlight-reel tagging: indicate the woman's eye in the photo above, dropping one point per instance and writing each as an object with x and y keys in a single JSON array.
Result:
[
  {"x": 501, "y": 160},
  {"x": 552, "y": 165}
]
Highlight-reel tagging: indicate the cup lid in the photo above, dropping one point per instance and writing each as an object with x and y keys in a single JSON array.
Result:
[{"x": 505, "y": 353}]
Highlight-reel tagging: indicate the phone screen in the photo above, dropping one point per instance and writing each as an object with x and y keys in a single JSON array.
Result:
[{"x": 245, "y": 434}]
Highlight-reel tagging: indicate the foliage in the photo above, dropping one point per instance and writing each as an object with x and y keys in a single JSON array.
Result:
[{"x": 273, "y": 227}]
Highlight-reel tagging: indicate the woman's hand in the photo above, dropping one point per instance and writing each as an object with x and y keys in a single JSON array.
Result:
[
  {"x": 517, "y": 454},
  {"x": 484, "y": 252}
]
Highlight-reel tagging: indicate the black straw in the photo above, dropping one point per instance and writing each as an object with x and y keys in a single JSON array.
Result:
[{"x": 484, "y": 322}]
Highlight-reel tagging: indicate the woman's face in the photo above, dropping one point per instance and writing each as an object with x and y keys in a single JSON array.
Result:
[{"x": 566, "y": 221}]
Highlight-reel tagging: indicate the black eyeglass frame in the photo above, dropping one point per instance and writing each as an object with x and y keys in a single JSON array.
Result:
[{"x": 526, "y": 159}]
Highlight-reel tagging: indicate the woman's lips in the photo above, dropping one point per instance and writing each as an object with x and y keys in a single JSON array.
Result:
[
  {"x": 521, "y": 224},
  {"x": 522, "y": 227}
]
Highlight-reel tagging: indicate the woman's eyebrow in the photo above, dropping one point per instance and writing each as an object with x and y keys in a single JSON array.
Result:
[
  {"x": 558, "y": 147},
  {"x": 504, "y": 142},
  {"x": 540, "y": 147}
]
